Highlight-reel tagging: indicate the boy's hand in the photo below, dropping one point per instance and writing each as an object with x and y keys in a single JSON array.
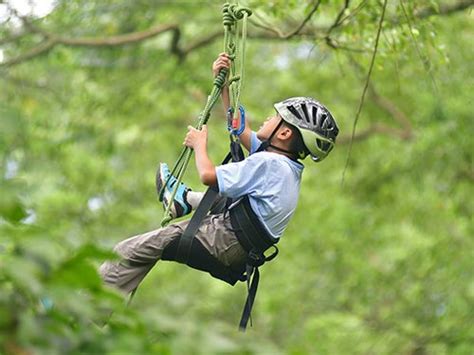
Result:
[
  {"x": 222, "y": 61},
  {"x": 196, "y": 139}
]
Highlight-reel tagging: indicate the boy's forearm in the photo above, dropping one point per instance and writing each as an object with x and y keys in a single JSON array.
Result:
[
  {"x": 225, "y": 98},
  {"x": 205, "y": 167}
]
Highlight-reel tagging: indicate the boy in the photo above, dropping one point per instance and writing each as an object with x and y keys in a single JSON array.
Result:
[{"x": 269, "y": 179}]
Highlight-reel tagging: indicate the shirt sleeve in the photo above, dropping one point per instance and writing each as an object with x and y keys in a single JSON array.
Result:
[
  {"x": 238, "y": 179},
  {"x": 254, "y": 142}
]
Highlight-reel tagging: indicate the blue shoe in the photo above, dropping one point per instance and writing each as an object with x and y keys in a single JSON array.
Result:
[{"x": 165, "y": 185}]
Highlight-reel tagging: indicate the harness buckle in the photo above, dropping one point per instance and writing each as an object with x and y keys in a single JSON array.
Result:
[{"x": 255, "y": 258}]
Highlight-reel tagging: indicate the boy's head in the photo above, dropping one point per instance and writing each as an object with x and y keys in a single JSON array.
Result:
[{"x": 313, "y": 129}]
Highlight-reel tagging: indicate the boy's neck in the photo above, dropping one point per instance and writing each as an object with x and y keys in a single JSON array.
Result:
[{"x": 275, "y": 148}]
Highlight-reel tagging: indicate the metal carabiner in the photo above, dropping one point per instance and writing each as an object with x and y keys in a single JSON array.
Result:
[{"x": 233, "y": 122}]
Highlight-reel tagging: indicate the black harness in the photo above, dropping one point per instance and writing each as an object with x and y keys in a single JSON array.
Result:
[
  {"x": 251, "y": 234},
  {"x": 254, "y": 238}
]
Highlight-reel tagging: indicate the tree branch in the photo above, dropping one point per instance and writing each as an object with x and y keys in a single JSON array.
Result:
[
  {"x": 279, "y": 34},
  {"x": 305, "y": 21},
  {"x": 354, "y": 12},
  {"x": 337, "y": 21},
  {"x": 361, "y": 103},
  {"x": 202, "y": 42},
  {"x": 406, "y": 130},
  {"x": 266, "y": 27},
  {"x": 40, "y": 49},
  {"x": 444, "y": 9},
  {"x": 399, "y": 116},
  {"x": 424, "y": 59},
  {"x": 51, "y": 40},
  {"x": 118, "y": 40},
  {"x": 376, "y": 128},
  {"x": 12, "y": 38}
]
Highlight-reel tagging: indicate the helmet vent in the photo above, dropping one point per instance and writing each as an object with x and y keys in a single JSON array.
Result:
[
  {"x": 324, "y": 146},
  {"x": 294, "y": 112},
  {"x": 315, "y": 115},
  {"x": 325, "y": 122},
  {"x": 305, "y": 111},
  {"x": 319, "y": 144}
]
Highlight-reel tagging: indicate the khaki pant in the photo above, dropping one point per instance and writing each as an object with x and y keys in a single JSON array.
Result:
[{"x": 140, "y": 253}]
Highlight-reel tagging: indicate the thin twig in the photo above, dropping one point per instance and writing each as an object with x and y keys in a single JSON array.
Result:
[
  {"x": 424, "y": 60},
  {"x": 265, "y": 26},
  {"x": 354, "y": 12},
  {"x": 387, "y": 105},
  {"x": 444, "y": 9},
  {"x": 334, "y": 44},
  {"x": 293, "y": 33},
  {"x": 40, "y": 49},
  {"x": 12, "y": 38},
  {"x": 337, "y": 22},
  {"x": 305, "y": 21},
  {"x": 361, "y": 103},
  {"x": 202, "y": 42}
]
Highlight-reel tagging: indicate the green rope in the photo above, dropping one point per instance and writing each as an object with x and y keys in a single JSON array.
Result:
[{"x": 231, "y": 14}]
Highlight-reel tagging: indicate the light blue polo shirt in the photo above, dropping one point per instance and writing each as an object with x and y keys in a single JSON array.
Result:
[{"x": 272, "y": 182}]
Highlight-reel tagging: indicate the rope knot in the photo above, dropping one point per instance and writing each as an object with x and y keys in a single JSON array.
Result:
[
  {"x": 231, "y": 47},
  {"x": 240, "y": 11},
  {"x": 220, "y": 78},
  {"x": 228, "y": 19},
  {"x": 234, "y": 78}
]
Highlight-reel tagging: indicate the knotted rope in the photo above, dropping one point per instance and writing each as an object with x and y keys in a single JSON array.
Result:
[{"x": 234, "y": 19}]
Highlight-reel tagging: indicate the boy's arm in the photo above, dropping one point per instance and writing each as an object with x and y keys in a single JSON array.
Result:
[
  {"x": 223, "y": 61},
  {"x": 197, "y": 140}
]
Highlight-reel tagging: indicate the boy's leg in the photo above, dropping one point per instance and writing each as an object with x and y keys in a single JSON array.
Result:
[
  {"x": 138, "y": 256},
  {"x": 140, "y": 253}
]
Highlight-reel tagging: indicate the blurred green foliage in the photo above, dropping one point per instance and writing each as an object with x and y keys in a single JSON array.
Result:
[{"x": 382, "y": 264}]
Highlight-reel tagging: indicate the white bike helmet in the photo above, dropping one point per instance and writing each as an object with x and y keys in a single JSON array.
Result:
[{"x": 314, "y": 121}]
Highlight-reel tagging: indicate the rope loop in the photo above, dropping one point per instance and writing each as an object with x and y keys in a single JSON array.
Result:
[
  {"x": 237, "y": 12},
  {"x": 241, "y": 11},
  {"x": 234, "y": 78}
]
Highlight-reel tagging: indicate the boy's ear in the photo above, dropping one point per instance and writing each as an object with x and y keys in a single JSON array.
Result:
[{"x": 285, "y": 133}]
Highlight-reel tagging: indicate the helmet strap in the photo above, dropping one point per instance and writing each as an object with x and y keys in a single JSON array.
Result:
[{"x": 267, "y": 144}]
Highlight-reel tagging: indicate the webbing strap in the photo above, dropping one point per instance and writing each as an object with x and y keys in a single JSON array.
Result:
[
  {"x": 255, "y": 241},
  {"x": 186, "y": 240},
  {"x": 252, "y": 292}
]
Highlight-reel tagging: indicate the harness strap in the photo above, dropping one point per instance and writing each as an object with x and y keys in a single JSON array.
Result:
[
  {"x": 186, "y": 240},
  {"x": 254, "y": 238},
  {"x": 251, "y": 293},
  {"x": 250, "y": 232},
  {"x": 187, "y": 237}
]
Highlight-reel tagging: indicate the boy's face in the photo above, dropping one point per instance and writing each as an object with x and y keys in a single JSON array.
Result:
[{"x": 267, "y": 127}]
